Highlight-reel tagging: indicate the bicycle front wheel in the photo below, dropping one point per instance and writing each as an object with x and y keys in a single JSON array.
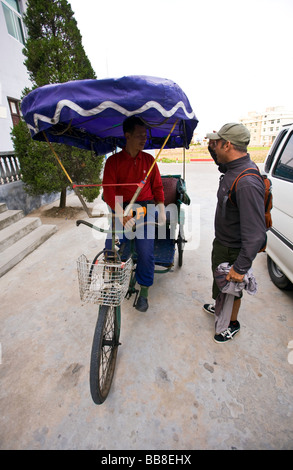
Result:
[{"x": 104, "y": 352}]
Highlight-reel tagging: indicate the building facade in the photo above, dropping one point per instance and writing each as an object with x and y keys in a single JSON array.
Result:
[
  {"x": 14, "y": 79},
  {"x": 13, "y": 73},
  {"x": 265, "y": 126}
]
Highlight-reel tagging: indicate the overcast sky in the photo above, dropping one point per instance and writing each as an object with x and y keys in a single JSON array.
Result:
[{"x": 228, "y": 56}]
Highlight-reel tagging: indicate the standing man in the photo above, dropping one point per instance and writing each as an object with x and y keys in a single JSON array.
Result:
[
  {"x": 240, "y": 230},
  {"x": 131, "y": 165}
]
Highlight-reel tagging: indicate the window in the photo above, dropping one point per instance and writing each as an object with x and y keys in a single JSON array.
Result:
[
  {"x": 284, "y": 167},
  {"x": 13, "y": 19},
  {"x": 14, "y": 4},
  {"x": 14, "y": 110}
]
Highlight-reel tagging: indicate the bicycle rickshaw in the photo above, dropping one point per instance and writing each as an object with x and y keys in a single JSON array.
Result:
[{"x": 89, "y": 114}]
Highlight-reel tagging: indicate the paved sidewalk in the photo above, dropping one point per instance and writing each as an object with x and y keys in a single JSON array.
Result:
[{"x": 174, "y": 387}]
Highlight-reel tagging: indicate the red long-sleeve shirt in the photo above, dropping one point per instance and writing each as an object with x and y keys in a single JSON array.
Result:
[{"x": 122, "y": 168}]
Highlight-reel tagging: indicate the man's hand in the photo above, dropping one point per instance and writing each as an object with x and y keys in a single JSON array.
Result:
[
  {"x": 161, "y": 213},
  {"x": 233, "y": 276},
  {"x": 128, "y": 222}
]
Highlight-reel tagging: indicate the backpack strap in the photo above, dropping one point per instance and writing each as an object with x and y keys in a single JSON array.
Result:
[{"x": 246, "y": 172}]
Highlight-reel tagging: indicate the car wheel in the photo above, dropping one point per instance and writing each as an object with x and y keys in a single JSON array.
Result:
[{"x": 277, "y": 276}]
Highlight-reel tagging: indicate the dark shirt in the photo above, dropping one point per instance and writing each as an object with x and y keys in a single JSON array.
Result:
[{"x": 242, "y": 226}]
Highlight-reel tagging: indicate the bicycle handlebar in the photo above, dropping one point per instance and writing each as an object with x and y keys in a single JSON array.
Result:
[
  {"x": 78, "y": 222},
  {"x": 99, "y": 229}
]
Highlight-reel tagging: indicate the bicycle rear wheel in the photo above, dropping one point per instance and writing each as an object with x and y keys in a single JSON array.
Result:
[{"x": 104, "y": 352}]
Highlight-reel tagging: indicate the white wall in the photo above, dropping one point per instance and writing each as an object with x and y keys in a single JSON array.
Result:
[{"x": 13, "y": 79}]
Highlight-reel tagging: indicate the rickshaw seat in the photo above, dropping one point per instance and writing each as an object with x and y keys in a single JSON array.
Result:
[
  {"x": 170, "y": 190},
  {"x": 171, "y": 198},
  {"x": 175, "y": 190}
]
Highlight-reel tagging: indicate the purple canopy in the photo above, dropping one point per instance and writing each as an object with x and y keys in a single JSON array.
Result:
[{"x": 89, "y": 113}]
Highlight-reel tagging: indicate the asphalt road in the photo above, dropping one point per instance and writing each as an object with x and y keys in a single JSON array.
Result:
[{"x": 174, "y": 388}]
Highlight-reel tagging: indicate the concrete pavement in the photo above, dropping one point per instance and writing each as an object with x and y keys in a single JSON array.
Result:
[{"x": 174, "y": 388}]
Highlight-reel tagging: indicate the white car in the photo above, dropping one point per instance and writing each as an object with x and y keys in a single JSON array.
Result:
[{"x": 279, "y": 169}]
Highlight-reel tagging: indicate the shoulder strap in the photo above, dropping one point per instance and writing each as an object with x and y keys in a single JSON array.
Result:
[{"x": 246, "y": 172}]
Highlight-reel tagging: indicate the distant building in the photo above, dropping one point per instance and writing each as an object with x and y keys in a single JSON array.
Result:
[
  {"x": 265, "y": 126},
  {"x": 13, "y": 73}
]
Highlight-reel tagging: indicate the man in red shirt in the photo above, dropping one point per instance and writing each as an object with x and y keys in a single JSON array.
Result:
[{"x": 131, "y": 165}]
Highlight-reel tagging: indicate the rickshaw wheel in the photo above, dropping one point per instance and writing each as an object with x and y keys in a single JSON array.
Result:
[{"x": 104, "y": 352}]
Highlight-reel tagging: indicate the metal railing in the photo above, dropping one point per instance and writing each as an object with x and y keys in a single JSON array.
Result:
[{"x": 9, "y": 168}]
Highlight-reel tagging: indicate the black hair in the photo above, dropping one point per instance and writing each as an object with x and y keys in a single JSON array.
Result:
[
  {"x": 130, "y": 123},
  {"x": 239, "y": 148}
]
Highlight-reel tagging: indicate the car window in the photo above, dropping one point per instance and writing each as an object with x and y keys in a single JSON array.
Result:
[
  {"x": 284, "y": 167},
  {"x": 276, "y": 144}
]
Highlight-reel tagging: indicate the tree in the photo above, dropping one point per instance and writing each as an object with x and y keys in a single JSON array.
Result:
[
  {"x": 54, "y": 48},
  {"x": 54, "y": 54},
  {"x": 42, "y": 175}
]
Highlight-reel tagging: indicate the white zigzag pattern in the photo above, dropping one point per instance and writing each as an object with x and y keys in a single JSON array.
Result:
[{"x": 106, "y": 104}]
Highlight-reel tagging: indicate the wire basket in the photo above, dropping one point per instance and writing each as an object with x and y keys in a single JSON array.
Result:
[{"x": 102, "y": 282}]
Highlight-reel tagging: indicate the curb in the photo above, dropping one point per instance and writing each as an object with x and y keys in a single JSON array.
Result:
[{"x": 201, "y": 160}]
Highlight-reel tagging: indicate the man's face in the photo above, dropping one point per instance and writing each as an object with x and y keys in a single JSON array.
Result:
[
  {"x": 220, "y": 147},
  {"x": 137, "y": 139},
  {"x": 212, "y": 144}
]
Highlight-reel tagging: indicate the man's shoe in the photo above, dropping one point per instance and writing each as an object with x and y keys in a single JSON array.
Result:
[
  {"x": 228, "y": 334},
  {"x": 234, "y": 327},
  {"x": 209, "y": 308},
  {"x": 142, "y": 304}
]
